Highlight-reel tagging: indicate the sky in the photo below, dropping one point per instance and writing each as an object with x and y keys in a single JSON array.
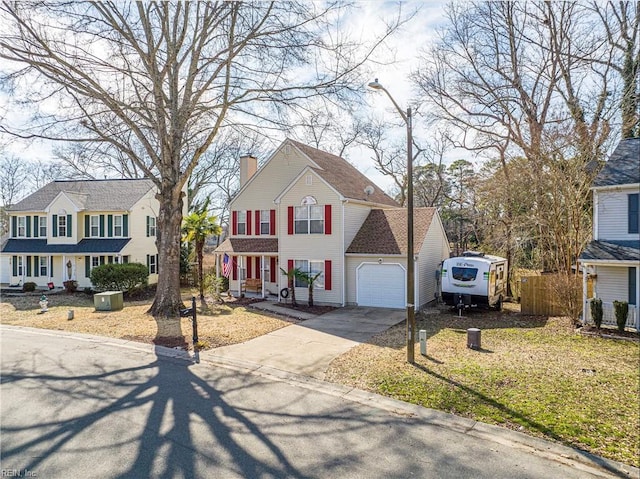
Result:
[{"x": 404, "y": 46}]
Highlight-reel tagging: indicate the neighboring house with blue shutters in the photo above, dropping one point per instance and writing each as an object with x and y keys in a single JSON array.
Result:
[
  {"x": 612, "y": 259},
  {"x": 67, "y": 228}
]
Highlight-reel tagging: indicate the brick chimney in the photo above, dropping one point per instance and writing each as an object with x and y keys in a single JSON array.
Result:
[{"x": 248, "y": 167}]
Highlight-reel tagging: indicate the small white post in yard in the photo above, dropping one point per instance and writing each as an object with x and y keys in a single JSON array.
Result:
[
  {"x": 70, "y": 314},
  {"x": 422, "y": 334}
]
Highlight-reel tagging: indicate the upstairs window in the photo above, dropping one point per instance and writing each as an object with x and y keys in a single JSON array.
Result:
[
  {"x": 309, "y": 217},
  {"x": 22, "y": 227},
  {"x": 265, "y": 222},
  {"x": 94, "y": 230},
  {"x": 242, "y": 223},
  {"x": 117, "y": 226},
  {"x": 42, "y": 226},
  {"x": 62, "y": 225},
  {"x": 151, "y": 226}
]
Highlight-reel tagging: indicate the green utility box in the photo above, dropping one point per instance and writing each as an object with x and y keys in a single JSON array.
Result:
[{"x": 108, "y": 301}]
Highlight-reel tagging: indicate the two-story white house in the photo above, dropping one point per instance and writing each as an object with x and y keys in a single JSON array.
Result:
[
  {"x": 311, "y": 210},
  {"x": 612, "y": 259},
  {"x": 67, "y": 228}
]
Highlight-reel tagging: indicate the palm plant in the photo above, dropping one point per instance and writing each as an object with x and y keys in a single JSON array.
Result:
[
  {"x": 196, "y": 227},
  {"x": 308, "y": 279},
  {"x": 291, "y": 275}
]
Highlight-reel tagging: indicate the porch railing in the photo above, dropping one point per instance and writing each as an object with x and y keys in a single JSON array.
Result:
[{"x": 609, "y": 315}]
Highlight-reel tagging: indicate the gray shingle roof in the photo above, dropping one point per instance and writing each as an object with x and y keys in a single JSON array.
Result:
[
  {"x": 85, "y": 246},
  {"x": 343, "y": 176},
  {"x": 92, "y": 195},
  {"x": 384, "y": 231},
  {"x": 248, "y": 245},
  {"x": 612, "y": 251},
  {"x": 623, "y": 167}
]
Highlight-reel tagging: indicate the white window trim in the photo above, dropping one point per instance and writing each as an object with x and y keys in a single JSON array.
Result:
[
  {"x": 24, "y": 227},
  {"x": 318, "y": 283},
  {"x": 20, "y": 266},
  {"x": 309, "y": 219},
  {"x": 266, "y": 222},
  {"x": 96, "y": 226},
  {"x": 42, "y": 226},
  {"x": 62, "y": 223},
  {"x": 152, "y": 226},
  {"x": 121, "y": 226},
  {"x": 46, "y": 266},
  {"x": 242, "y": 222},
  {"x": 153, "y": 267}
]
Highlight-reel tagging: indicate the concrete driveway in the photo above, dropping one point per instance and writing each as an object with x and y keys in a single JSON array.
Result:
[{"x": 309, "y": 347}]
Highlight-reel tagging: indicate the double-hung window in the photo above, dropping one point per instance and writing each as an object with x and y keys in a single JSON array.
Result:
[
  {"x": 117, "y": 226},
  {"x": 62, "y": 225},
  {"x": 94, "y": 223},
  {"x": 22, "y": 227},
  {"x": 153, "y": 266},
  {"x": 44, "y": 265},
  {"x": 309, "y": 217},
  {"x": 312, "y": 269},
  {"x": 242, "y": 223},
  {"x": 42, "y": 226},
  {"x": 20, "y": 265},
  {"x": 265, "y": 222}
]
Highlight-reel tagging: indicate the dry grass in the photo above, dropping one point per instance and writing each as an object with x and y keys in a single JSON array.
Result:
[
  {"x": 218, "y": 324},
  {"x": 534, "y": 374}
]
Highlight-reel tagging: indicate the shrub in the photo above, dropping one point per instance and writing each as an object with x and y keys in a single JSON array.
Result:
[
  {"x": 88, "y": 290},
  {"x": 28, "y": 287},
  {"x": 596, "y": 312},
  {"x": 70, "y": 286},
  {"x": 216, "y": 285},
  {"x": 120, "y": 277},
  {"x": 621, "y": 309}
]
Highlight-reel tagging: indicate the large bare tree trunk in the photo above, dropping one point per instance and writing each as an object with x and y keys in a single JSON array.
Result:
[{"x": 168, "y": 301}]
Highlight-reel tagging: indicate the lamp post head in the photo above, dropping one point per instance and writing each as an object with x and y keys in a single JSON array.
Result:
[{"x": 375, "y": 85}]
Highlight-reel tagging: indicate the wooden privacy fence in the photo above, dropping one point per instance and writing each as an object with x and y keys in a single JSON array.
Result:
[{"x": 540, "y": 295}]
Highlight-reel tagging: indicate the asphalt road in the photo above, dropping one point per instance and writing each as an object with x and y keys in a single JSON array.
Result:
[{"x": 74, "y": 407}]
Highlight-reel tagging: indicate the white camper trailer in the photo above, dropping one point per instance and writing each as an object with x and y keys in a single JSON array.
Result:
[{"x": 474, "y": 279}]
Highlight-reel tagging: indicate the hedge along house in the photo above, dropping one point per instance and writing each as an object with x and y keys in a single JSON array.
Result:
[
  {"x": 303, "y": 209},
  {"x": 612, "y": 259},
  {"x": 65, "y": 229}
]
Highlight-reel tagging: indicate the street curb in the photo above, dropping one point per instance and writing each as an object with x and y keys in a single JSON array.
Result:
[{"x": 578, "y": 459}]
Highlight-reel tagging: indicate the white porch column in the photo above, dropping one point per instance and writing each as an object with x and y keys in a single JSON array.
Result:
[{"x": 584, "y": 293}]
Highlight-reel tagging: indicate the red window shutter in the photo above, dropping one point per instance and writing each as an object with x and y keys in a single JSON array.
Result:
[
  {"x": 327, "y": 275},
  {"x": 234, "y": 267},
  {"x": 249, "y": 267},
  {"x": 272, "y": 222},
  {"x": 289, "y": 265},
  {"x": 234, "y": 223},
  {"x": 248, "y": 222},
  {"x": 327, "y": 219},
  {"x": 272, "y": 269},
  {"x": 258, "y": 272},
  {"x": 290, "y": 220},
  {"x": 258, "y": 214}
]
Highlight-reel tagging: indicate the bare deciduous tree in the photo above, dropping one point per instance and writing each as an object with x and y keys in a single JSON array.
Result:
[{"x": 156, "y": 82}]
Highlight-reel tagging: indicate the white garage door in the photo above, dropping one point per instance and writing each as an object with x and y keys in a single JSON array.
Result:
[{"x": 381, "y": 285}]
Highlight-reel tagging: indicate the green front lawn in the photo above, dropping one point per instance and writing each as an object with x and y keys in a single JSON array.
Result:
[{"x": 535, "y": 375}]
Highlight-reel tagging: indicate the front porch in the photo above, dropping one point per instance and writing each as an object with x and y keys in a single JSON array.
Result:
[{"x": 609, "y": 315}]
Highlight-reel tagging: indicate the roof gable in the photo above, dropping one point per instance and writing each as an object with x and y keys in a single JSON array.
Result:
[
  {"x": 623, "y": 167},
  {"x": 384, "y": 231},
  {"x": 343, "y": 176},
  {"x": 91, "y": 195}
]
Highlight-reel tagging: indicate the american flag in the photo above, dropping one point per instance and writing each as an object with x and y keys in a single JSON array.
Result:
[{"x": 226, "y": 266}]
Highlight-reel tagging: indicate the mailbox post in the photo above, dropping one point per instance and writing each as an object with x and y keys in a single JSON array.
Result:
[{"x": 185, "y": 313}]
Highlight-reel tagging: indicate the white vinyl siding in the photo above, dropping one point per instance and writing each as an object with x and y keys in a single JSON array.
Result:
[
  {"x": 612, "y": 215},
  {"x": 354, "y": 216},
  {"x": 434, "y": 250},
  {"x": 612, "y": 283}
]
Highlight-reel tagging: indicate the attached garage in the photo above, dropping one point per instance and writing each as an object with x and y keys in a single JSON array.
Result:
[{"x": 381, "y": 285}]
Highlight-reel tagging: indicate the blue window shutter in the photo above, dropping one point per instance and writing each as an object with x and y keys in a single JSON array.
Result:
[
  {"x": 148, "y": 263},
  {"x": 634, "y": 213},
  {"x": 54, "y": 222},
  {"x": 147, "y": 226},
  {"x": 14, "y": 227},
  {"x": 28, "y": 265},
  {"x": 125, "y": 226},
  {"x": 101, "y": 226},
  {"x": 69, "y": 227},
  {"x": 14, "y": 260},
  {"x": 36, "y": 226},
  {"x": 28, "y": 223},
  {"x": 110, "y": 226},
  {"x": 51, "y": 266},
  {"x": 632, "y": 286},
  {"x": 87, "y": 226},
  {"x": 36, "y": 266},
  {"x": 87, "y": 266}
]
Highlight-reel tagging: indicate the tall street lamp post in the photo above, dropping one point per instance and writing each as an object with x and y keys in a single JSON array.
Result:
[{"x": 411, "y": 315}]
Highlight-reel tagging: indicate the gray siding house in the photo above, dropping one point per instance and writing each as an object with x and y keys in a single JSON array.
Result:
[{"x": 612, "y": 259}]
